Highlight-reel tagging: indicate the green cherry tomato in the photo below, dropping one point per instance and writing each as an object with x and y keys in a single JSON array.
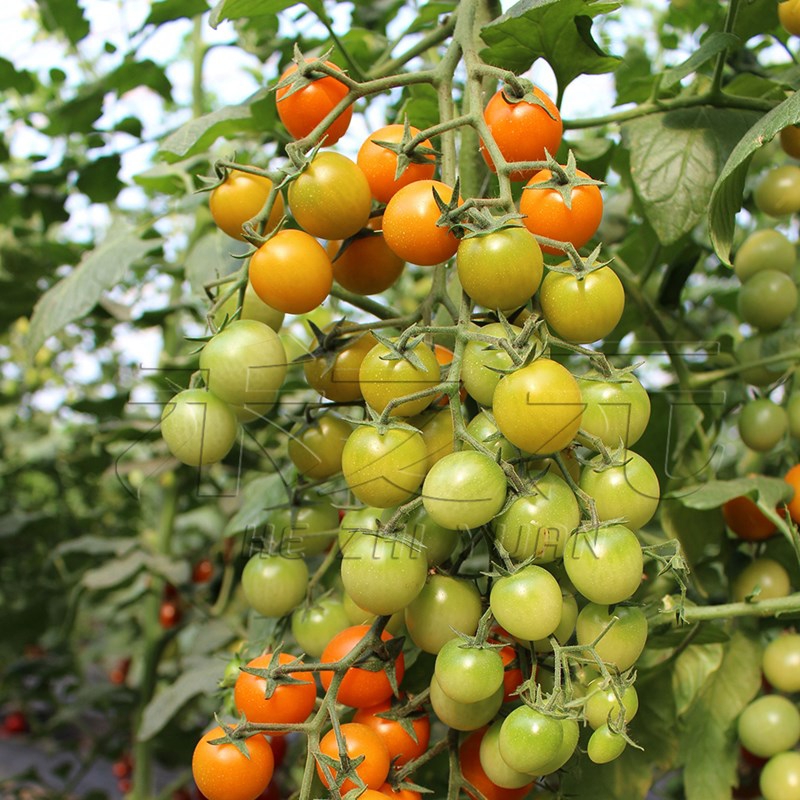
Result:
[
  {"x": 565, "y": 627},
  {"x": 793, "y": 412},
  {"x": 753, "y": 349},
  {"x": 538, "y": 524},
  {"x": 778, "y": 192},
  {"x": 766, "y": 577},
  {"x": 571, "y": 733},
  {"x": 764, "y": 249},
  {"x": 538, "y": 408},
  {"x": 762, "y": 424},
  {"x": 468, "y": 674},
  {"x": 493, "y": 764},
  {"x": 358, "y": 616},
  {"x": 629, "y": 491},
  {"x": 483, "y": 429},
  {"x": 527, "y": 603},
  {"x": 482, "y": 360},
  {"x": 605, "y": 745},
  {"x": 780, "y": 778},
  {"x": 384, "y": 469},
  {"x": 274, "y": 585},
  {"x": 605, "y": 565},
  {"x": 245, "y": 364},
  {"x": 355, "y": 521},
  {"x": 582, "y": 310},
  {"x": 769, "y": 725},
  {"x": 768, "y": 299},
  {"x": 781, "y": 663},
  {"x": 438, "y": 542},
  {"x": 305, "y": 530},
  {"x": 316, "y": 448},
  {"x": 445, "y": 605},
  {"x": 464, "y": 716},
  {"x": 602, "y": 704},
  {"x": 502, "y": 269},
  {"x": 623, "y": 642},
  {"x": 529, "y": 739},
  {"x": 616, "y": 411},
  {"x": 382, "y": 575},
  {"x": 198, "y": 427},
  {"x": 464, "y": 490},
  {"x": 314, "y": 626}
]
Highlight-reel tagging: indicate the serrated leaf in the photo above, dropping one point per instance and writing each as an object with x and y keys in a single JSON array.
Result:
[
  {"x": 199, "y": 680},
  {"x": 675, "y": 159},
  {"x": 690, "y": 672},
  {"x": 559, "y": 31},
  {"x": 709, "y": 746},
  {"x": 77, "y": 294},
  {"x": 726, "y": 196},
  {"x": 712, "y": 46}
]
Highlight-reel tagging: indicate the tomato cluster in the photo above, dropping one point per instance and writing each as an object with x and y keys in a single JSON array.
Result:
[{"x": 459, "y": 492}]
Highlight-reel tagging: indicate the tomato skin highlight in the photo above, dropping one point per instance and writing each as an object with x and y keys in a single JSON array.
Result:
[{"x": 305, "y": 108}]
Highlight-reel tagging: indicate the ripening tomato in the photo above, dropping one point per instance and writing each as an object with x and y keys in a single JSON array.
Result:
[
  {"x": 366, "y": 265},
  {"x": 402, "y": 745},
  {"x": 484, "y": 362},
  {"x": 789, "y": 16},
  {"x": 379, "y": 164},
  {"x": 335, "y": 375},
  {"x": 360, "y": 688},
  {"x": 582, "y": 309},
  {"x": 291, "y": 272},
  {"x": 747, "y": 520},
  {"x": 288, "y": 703},
  {"x": 538, "y": 407},
  {"x": 315, "y": 448},
  {"x": 239, "y": 198},
  {"x": 523, "y": 130},
  {"x": 501, "y": 269},
  {"x": 222, "y": 772},
  {"x": 410, "y": 224},
  {"x": 790, "y": 140},
  {"x": 387, "y": 791},
  {"x": 359, "y": 740},
  {"x": 330, "y": 198},
  {"x": 302, "y": 110},
  {"x": 546, "y": 214},
  {"x": 792, "y": 477}
]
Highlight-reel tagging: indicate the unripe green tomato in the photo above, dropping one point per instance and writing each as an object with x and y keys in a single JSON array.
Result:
[
  {"x": 358, "y": 616},
  {"x": 762, "y": 424},
  {"x": 778, "y": 192},
  {"x": 316, "y": 448},
  {"x": 530, "y": 739},
  {"x": 768, "y": 576},
  {"x": 623, "y": 642},
  {"x": 781, "y": 663},
  {"x": 527, "y": 603},
  {"x": 356, "y": 521},
  {"x": 198, "y": 427},
  {"x": 602, "y": 703},
  {"x": 538, "y": 524},
  {"x": 482, "y": 428},
  {"x": 571, "y": 732},
  {"x": 438, "y": 542},
  {"x": 780, "y": 778},
  {"x": 751, "y": 350},
  {"x": 273, "y": 585},
  {"x": 566, "y": 627},
  {"x": 767, "y": 300},
  {"x": 464, "y": 716},
  {"x": 496, "y": 769},
  {"x": 305, "y": 530},
  {"x": 314, "y": 626},
  {"x": 616, "y": 411},
  {"x": 769, "y": 725},
  {"x": 764, "y": 249},
  {"x": 253, "y": 307},
  {"x": 482, "y": 360},
  {"x": 605, "y": 745},
  {"x": 468, "y": 674},
  {"x": 793, "y": 412}
]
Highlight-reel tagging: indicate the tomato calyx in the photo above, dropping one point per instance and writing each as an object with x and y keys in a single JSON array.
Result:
[
  {"x": 230, "y": 736},
  {"x": 563, "y": 179},
  {"x": 477, "y": 222},
  {"x": 310, "y": 70},
  {"x": 409, "y": 150},
  {"x": 276, "y": 674}
]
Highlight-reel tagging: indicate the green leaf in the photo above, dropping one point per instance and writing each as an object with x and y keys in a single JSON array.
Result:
[
  {"x": 98, "y": 179},
  {"x": 77, "y": 294},
  {"x": 259, "y": 497},
  {"x": 114, "y": 572},
  {"x": 429, "y": 14},
  {"x": 238, "y": 9},
  {"x": 201, "y": 679},
  {"x": 771, "y": 491},
  {"x": 675, "y": 159},
  {"x": 712, "y": 46},
  {"x": 656, "y": 729},
  {"x": 726, "y": 197},
  {"x": 754, "y": 17},
  {"x": 691, "y": 671},
  {"x": 709, "y": 746},
  {"x": 698, "y": 530},
  {"x": 11, "y": 78},
  {"x": 629, "y": 777},
  {"x": 168, "y": 10},
  {"x": 65, "y": 16},
  {"x": 558, "y": 31}
]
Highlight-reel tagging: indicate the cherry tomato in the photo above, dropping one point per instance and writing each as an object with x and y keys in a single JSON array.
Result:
[
  {"x": 291, "y": 272},
  {"x": 781, "y": 663},
  {"x": 384, "y": 469},
  {"x": 529, "y": 739},
  {"x": 780, "y": 778},
  {"x": 472, "y": 770},
  {"x": 221, "y": 772},
  {"x": 769, "y": 725},
  {"x": 409, "y": 224},
  {"x": 169, "y": 614},
  {"x": 464, "y": 716},
  {"x": 360, "y": 688},
  {"x": 623, "y": 642},
  {"x": 198, "y": 427},
  {"x": 493, "y": 763},
  {"x": 252, "y": 308},
  {"x": 789, "y": 16},
  {"x": 468, "y": 674},
  {"x": 605, "y": 745},
  {"x": 527, "y": 603},
  {"x": 273, "y": 584},
  {"x": 239, "y": 198},
  {"x": 602, "y": 704},
  {"x": 387, "y": 791},
  {"x": 522, "y": 130},
  {"x": 582, "y": 310},
  {"x": 764, "y": 575},
  {"x": 484, "y": 362},
  {"x": 747, "y": 520},
  {"x": 379, "y": 164},
  {"x": 360, "y": 740},
  {"x": 15, "y": 722},
  {"x": 538, "y": 407},
  {"x": 764, "y": 249},
  {"x": 314, "y": 626},
  {"x": 502, "y": 269},
  {"x": 792, "y": 477},
  {"x": 436, "y": 427},
  {"x": 335, "y": 375},
  {"x": 605, "y": 565},
  {"x": 366, "y": 265},
  {"x": 203, "y": 571},
  {"x": 768, "y": 299},
  {"x": 330, "y": 198},
  {"x": 315, "y": 448},
  {"x": 778, "y": 192},
  {"x": 307, "y": 529},
  {"x": 615, "y": 411},
  {"x": 402, "y": 745},
  {"x": 288, "y": 703},
  {"x": 483, "y": 429},
  {"x": 302, "y": 110},
  {"x": 546, "y": 214}
]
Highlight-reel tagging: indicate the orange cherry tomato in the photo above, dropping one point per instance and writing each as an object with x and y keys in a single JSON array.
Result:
[
  {"x": 792, "y": 477},
  {"x": 400, "y": 743},
  {"x": 747, "y": 520},
  {"x": 240, "y": 198},
  {"x": 360, "y": 740}
]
